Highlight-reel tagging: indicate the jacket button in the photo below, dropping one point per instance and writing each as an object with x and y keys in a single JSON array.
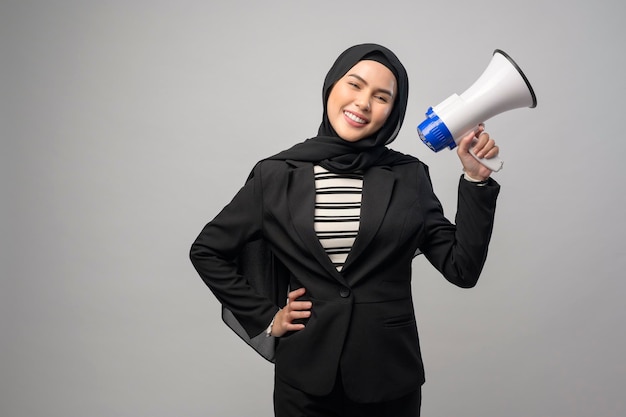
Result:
[{"x": 344, "y": 292}]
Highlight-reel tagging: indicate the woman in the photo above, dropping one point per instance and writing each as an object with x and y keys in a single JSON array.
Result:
[{"x": 338, "y": 219}]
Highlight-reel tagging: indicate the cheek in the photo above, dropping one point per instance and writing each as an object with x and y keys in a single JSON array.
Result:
[
  {"x": 383, "y": 116},
  {"x": 335, "y": 98},
  {"x": 332, "y": 107}
]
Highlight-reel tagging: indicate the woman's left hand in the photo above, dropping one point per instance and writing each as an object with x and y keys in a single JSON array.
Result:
[{"x": 483, "y": 146}]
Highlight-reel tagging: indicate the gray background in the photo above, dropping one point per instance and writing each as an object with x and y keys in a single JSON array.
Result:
[{"x": 127, "y": 125}]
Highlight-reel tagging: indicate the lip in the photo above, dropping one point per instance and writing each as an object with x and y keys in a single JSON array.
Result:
[{"x": 354, "y": 123}]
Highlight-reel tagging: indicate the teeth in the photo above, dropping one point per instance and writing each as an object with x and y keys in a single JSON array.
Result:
[{"x": 354, "y": 117}]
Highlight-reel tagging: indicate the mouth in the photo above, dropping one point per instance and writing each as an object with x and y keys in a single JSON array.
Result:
[{"x": 355, "y": 118}]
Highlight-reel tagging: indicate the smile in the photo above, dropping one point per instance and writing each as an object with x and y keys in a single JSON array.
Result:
[{"x": 354, "y": 117}]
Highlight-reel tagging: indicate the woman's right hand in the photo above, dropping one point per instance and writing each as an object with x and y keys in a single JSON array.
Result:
[{"x": 283, "y": 321}]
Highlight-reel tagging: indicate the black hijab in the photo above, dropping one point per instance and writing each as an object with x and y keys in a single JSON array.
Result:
[{"x": 338, "y": 155}]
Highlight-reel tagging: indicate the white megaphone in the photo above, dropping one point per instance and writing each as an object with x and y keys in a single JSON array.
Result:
[{"x": 502, "y": 87}]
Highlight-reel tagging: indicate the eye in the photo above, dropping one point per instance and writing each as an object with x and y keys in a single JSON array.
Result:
[
  {"x": 382, "y": 99},
  {"x": 354, "y": 84}
]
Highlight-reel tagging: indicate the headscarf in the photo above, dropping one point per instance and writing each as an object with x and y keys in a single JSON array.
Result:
[{"x": 338, "y": 155}]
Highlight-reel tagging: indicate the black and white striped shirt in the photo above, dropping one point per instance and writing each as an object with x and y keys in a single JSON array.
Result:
[{"x": 337, "y": 212}]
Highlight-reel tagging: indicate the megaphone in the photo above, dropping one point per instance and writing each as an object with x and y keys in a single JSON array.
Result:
[{"x": 502, "y": 87}]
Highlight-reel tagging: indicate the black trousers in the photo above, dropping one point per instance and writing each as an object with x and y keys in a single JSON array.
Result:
[{"x": 291, "y": 402}]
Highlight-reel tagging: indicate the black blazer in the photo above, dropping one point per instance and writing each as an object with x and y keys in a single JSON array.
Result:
[{"x": 362, "y": 321}]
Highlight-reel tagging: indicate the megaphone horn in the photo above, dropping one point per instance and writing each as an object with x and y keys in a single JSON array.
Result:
[{"x": 501, "y": 87}]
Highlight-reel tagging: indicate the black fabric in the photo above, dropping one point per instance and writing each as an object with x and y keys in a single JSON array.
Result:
[
  {"x": 340, "y": 156},
  {"x": 292, "y": 402},
  {"x": 270, "y": 278}
]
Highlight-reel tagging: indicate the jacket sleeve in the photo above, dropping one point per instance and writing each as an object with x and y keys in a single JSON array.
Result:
[
  {"x": 216, "y": 252},
  {"x": 459, "y": 250}
]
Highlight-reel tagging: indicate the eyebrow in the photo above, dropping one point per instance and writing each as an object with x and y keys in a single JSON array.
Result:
[{"x": 382, "y": 90}]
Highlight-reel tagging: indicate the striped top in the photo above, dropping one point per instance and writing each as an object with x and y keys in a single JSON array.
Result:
[{"x": 337, "y": 212}]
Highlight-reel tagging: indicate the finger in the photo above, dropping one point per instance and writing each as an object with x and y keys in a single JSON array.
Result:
[
  {"x": 493, "y": 152},
  {"x": 293, "y": 295},
  {"x": 290, "y": 320},
  {"x": 483, "y": 138},
  {"x": 489, "y": 146},
  {"x": 483, "y": 144},
  {"x": 471, "y": 135},
  {"x": 294, "y": 315},
  {"x": 300, "y": 305},
  {"x": 466, "y": 142},
  {"x": 283, "y": 324},
  {"x": 298, "y": 292},
  {"x": 294, "y": 327}
]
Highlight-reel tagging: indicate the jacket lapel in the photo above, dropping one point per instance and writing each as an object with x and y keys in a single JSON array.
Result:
[
  {"x": 301, "y": 198},
  {"x": 378, "y": 183}
]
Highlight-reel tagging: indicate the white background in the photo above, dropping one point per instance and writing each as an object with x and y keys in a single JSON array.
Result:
[{"x": 127, "y": 125}]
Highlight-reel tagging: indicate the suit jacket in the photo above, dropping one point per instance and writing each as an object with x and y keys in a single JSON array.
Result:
[{"x": 362, "y": 322}]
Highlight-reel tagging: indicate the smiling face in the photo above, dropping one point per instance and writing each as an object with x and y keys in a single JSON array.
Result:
[{"x": 360, "y": 102}]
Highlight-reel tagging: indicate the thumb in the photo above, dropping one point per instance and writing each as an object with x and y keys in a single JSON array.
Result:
[{"x": 466, "y": 142}]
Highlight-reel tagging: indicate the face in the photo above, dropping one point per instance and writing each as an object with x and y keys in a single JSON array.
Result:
[{"x": 361, "y": 101}]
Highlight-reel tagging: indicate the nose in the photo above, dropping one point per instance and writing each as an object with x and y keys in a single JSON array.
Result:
[{"x": 362, "y": 101}]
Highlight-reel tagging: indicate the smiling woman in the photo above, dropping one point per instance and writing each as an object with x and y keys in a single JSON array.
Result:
[{"x": 336, "y": 220}]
